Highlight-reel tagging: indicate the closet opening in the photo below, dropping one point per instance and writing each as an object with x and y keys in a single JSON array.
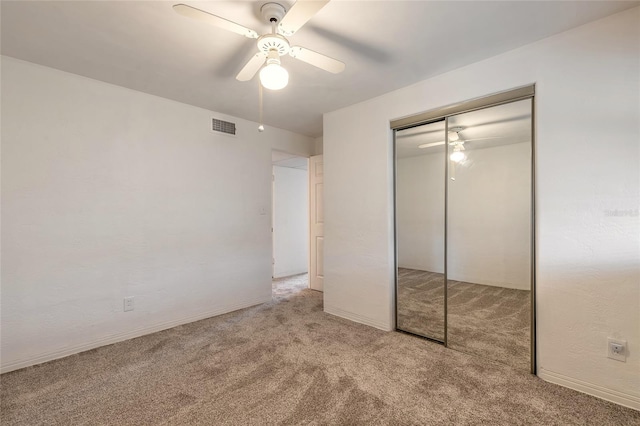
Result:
[{"x": 464, "y": 227}]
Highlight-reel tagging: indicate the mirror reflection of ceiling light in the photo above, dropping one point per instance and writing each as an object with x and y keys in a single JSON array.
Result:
[{"x": 457, "y": 156}]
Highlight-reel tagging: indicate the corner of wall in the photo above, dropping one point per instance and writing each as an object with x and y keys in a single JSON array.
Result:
[
  {"x": 318, "y": 146},
  {"x": 357, "y": 318}
]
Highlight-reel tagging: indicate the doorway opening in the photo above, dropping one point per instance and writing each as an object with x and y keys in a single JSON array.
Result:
[{"x": 290, "y": 220}]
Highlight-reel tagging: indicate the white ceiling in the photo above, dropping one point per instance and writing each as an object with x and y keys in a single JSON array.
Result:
[
  {"x": 284, "y": 159},
  {"x": 146, "y": 46},
  {"x": 500, "y": 125}
]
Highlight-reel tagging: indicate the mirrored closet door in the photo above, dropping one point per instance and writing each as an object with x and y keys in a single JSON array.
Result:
[
  {"x": 420, "y": 166},
  {"x": 464, "y": 228},
  {"x": 489, "y": 233}
]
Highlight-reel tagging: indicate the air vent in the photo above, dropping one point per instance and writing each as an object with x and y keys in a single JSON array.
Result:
[{"x": 224, "y": 127}]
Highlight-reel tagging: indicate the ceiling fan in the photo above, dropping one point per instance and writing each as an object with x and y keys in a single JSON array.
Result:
[
  {"x": 455, "y": 139},
  {"x": 457, "y": 143},
  {"x": 273, "y": 45}
]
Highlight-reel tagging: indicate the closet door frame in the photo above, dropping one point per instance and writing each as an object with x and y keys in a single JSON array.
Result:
[{"x": 438, "y": 114}]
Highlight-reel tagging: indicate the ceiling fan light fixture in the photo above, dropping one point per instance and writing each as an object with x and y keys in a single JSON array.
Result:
[{"x": 273, "y": 76}]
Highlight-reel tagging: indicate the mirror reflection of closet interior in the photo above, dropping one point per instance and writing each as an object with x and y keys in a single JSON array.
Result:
[{"x": 486, "y": 228}]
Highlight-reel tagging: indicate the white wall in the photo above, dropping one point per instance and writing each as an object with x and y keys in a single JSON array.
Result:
[
  {"x": 107, "y": 193},
  {"x": 489, "y": 216},
  {"x": 290, "y": 221},
  {"x": 588, "y": 229}
]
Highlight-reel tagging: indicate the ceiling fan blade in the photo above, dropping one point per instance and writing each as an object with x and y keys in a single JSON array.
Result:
[
  {"x": 317, "y": 59},
  {"x": 201, "y": 15},
  {"x": 299, "y": 14},
  {"x": 482, "y": 139},
  {"x": 252, "y": 67},
  {"x": 429, "y": 145}
]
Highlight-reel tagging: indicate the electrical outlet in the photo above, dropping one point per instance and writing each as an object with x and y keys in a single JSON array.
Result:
[
  {"x": 128, "y": 304},
  {"x": 617, "y": 349}
]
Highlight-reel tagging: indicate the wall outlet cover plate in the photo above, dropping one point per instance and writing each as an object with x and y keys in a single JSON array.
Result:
[
  {"x": 611, "y": 344},
  {"x": 129, "y": 304}
]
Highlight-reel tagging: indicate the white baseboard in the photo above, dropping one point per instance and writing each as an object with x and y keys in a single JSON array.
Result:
[
  {"x": 290, "y": 273},
  {"x": 357, "y": 318},
  {"x": 621, "y": 398},
  {"x": 119, "y": 337}
]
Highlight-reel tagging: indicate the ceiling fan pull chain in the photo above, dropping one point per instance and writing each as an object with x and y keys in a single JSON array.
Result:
[{"x": 260, "y": 124}]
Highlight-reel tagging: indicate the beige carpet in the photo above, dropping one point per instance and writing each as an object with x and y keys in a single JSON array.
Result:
[
  {"x": 287, "y": 362},
  {"x": 492, "y": 322}
]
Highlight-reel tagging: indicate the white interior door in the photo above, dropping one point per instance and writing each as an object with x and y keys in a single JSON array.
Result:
[{"x": 316, "y": 223}]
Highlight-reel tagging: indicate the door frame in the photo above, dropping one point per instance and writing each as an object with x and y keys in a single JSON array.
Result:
[
  {"x": 316, "y": 281},
  {"x": 273, "y": 206}
]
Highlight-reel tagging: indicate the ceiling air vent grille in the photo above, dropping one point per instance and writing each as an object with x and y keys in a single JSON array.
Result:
[{"x": 224, "y": 127}]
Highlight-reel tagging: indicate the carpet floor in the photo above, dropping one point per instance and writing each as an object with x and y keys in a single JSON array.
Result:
[
  {"x": 287, "y": 362},
  {"x": 489, "y": 321}
]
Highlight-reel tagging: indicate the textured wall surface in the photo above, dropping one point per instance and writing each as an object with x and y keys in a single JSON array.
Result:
[
  {"x": 109, "y": 193},
  {"x": 588, "y": 229}
]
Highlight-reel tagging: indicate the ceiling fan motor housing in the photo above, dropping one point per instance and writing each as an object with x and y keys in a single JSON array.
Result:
[
  {"x": 273, "y": 13},
  {"x": 269, "y": 42}
]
